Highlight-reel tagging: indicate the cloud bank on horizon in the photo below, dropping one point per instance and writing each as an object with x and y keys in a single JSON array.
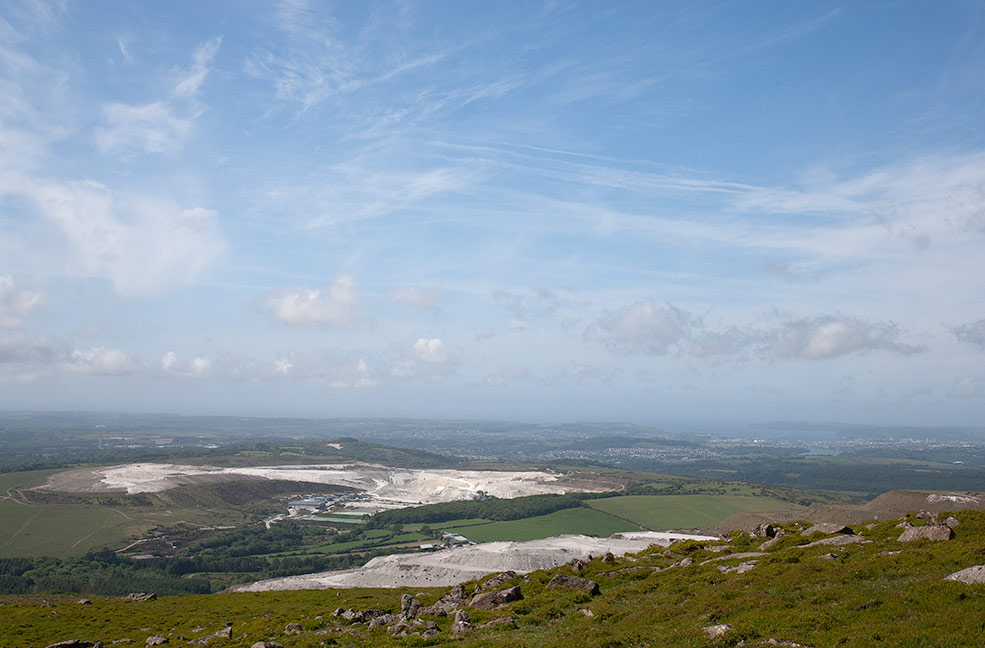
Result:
[{"x": 654, "y": 213}]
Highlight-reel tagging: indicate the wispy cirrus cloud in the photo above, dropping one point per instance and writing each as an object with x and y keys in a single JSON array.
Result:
[{"x": 160, "y": 126}]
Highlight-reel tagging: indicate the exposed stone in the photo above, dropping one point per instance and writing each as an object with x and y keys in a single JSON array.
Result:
[
  {"x": 970, "y": 575},
  {"x": 934, "y": 533},
  {"x": 266, "y": 644},
  {"x": 506, "y": 620},
  {"x": 608, "y": 557},
  {"x": 835, "y": 541},
  {"x": 409, "y": 606},
  {"x": 71, "y": 643},
  {"x": 417, "y": 626},
  {"x": 574, "y": 582},
  {"x": 84, "y": 602},
  {"x": 462, "y": 622},
  {"x": 951, "y": 521},
  {"x": 741, "y": 568},
  {"x": 741, "y": 555},
  {"x": 385, "y": 620},
  {"x": 293, "y": 628},
  {"x": 587, "y": 612},
  {"x": 828, "y": 556},
  {"x": 497, "y": 581},
  {"x": 141, "y": 596},
  {"x": 772, "y": 541},
  {"x": 225, "y": 633},
  {"x": 827, "y": 528},
  {"x": 717, "y": 630},
  {"x": 765, "y": 530},
  {"x": 121, "y": 641},
  {"x": 492, "y": 600},
  {"x": 577, "y": 565},
  {"x": 156, "y": 640}
]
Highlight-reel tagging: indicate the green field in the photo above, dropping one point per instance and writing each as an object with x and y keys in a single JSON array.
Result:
[
  {"x": 575, "y": 520},
  {"x": 658, "y": 512}
]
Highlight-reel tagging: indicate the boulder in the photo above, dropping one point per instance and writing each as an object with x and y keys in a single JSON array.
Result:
[
  {"x": 156, "y": 640},
  {"x": 497, "y": 581},
  {"x": 84, "y": 602},
  {"x": 577, "y": 565},
  {"x": 492, "y": 600},
  {"x": 409, "y": 606},
  {"x": 827, "y": 528},
  {"x": 714, "y": 631},
  {"x": 71, "y": 643},
  {"x": 575, "y": 582},
  {"x": 462, "y": 623},
  {"x": 741, "y": 568},
  {"x": 266, "y": 644},
  {"x": 506, "y": 620},
  {"x": 293, "y": 628},
  {"x": 934, "y": 533},
  {"x": 385, "y": 620},
  {"x": 608, "y": 557},
  {"x": 765, "y": 530},
  {"x": 834, "y": 541},
  {"x": 970, "y": 575},
  {"x": 225, "y": 633},
  {"x": 141, "y": 596},
  {"x": 951, "y": 521},
  {"x": 417, "y": 626}
]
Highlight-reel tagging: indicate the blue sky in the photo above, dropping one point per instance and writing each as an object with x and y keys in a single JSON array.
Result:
[{"x": 653, "y": 212}]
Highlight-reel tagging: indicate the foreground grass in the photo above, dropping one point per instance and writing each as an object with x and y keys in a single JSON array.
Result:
[{"x": 881, "y": 592}]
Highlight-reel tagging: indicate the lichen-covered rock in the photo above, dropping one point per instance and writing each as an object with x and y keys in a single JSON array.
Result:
[
  {"x": 497, "y": 581},
  {"x": 828, "y": 528},
  {"x": 492, "y": 600},
  {"x": 409, "y": 606},
  {"x": 970, "y": 575},
  {"x": 462, "y": 622},
  {"x": 156, "y": 640},
  {"x": 574, "y": 582},
  {"x": 714, "y": 631},
  {"x": 934, "y": 533}
]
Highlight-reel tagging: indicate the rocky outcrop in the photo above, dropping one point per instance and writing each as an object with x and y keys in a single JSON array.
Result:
[
  {"x": 575, "y": 582},
  {"x": 827, "y": 528},
  {"x": 497, "y": 581},
  {"x": 419, "y": 627},
  {"x": 492, "y": 600},
  {"x": 934, "y": 533},
  {"x": 741, "y": 568},
  {"x": 834, "y": 541},
  {"x": 141, "y": 596},
  {"x": 462, "y": 622},
  {"x": 714, "y": 631},
  {"x": 970, "y": 575},
  {"x": 225, "y": 633},
  {"x": 409, "y": 606}
]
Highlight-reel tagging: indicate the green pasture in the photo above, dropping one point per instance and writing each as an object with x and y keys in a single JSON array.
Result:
[
  {"x": 657, "y": 512},
  {"x": 575, "y": 520}
]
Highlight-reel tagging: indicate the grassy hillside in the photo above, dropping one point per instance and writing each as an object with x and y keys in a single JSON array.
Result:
[
  {"x": 875, "y": 592},
  {"x": 659, "y": 512}
]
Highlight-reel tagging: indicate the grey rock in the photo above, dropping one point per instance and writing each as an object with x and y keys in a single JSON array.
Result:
[
  {"x": 951, "y": 521},
  {"x": 293, "y": 628},
  {"x": 409, "y": 606},
  {"x": 266, "y": 644},
  {"x": 575, "y": 582},
  {"x": 156, "y": 640},
  {"x": 71, "y": 643},
  {"x": 577, "y": 565},
  {"x": 765, "y": 530},
  {"x": 492, "y": 600},
  {"x": 970, "y": 575},
  {"x": 497, "y": 581},
  {"x": 141, "y": 596},
  {"x": 505, "y": 621},
  {"x": 225, "y": 633},
  {"x": 741, "y": 568},
  {"x": 714, "y": 631},
  {"x": 827, "y": 528},
  {"x": 462, "y": 622},
  {"x": 934, "y": 533}
]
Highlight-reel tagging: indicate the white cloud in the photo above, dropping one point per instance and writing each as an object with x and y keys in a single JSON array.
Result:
[
  {"x": 140, "y": 244},
  {"x": 646, "y": 328},
  {"x": 100, "y": 361},
  {"x": 337, "y": 306},
  {"x": 15, "y": 304},
  {"x": 828, "y": 336},
  {"x": 22, "y": 347},
  {"x": 192, "y": 80},
  {"x": 973, "y": 333},
  {"x": 427, "y": 358},
  {"x": 196, "y": 367},
  {"x": 422, "y": 297},
  {"x": 339, "y": 370}
]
